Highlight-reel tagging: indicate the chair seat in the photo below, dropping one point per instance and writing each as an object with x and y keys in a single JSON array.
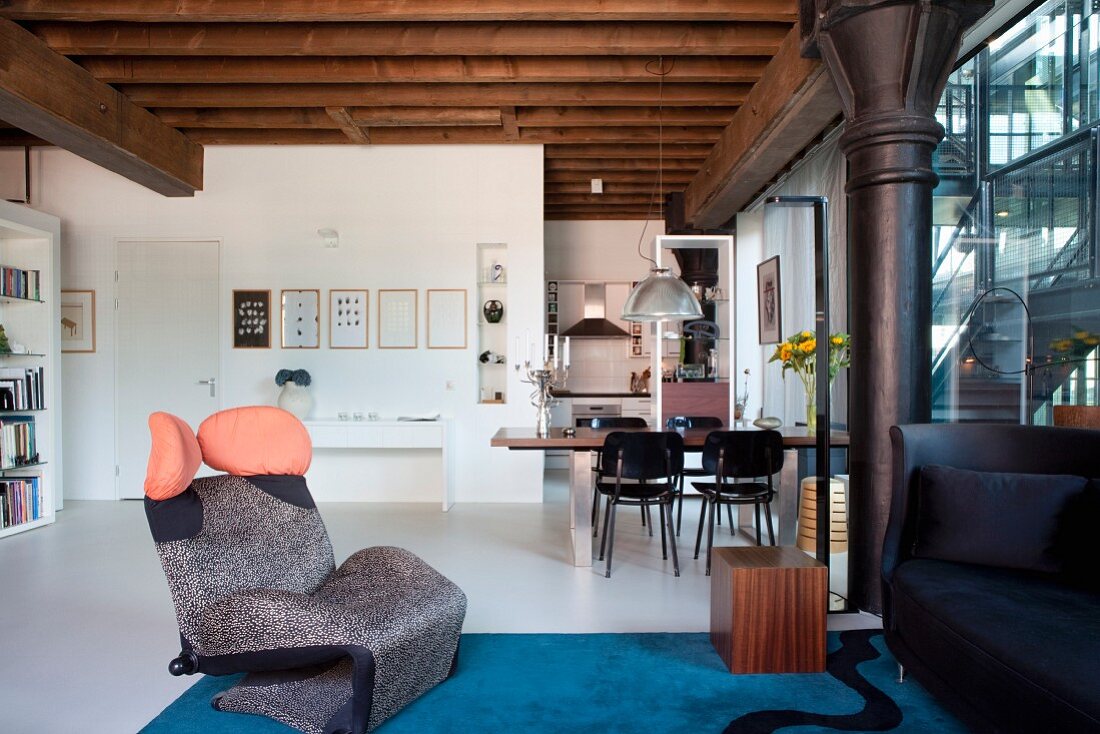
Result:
[
  {"x": 747, "y": 490},
  {"x": 635, "y": 491}
]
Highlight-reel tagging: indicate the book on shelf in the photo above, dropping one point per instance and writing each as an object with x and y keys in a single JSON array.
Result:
[
  {"x": 22, "y": 388},
  {"x": 20, "y": 500},
  {"x": 20, "y": 283},
  {"x": 18, "y": 442}
]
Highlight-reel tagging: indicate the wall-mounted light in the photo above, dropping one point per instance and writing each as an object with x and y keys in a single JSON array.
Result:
[{"x": 330, "y": 237}]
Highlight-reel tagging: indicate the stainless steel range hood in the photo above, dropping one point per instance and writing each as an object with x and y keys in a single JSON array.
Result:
[{"x": 594, "y": 325}]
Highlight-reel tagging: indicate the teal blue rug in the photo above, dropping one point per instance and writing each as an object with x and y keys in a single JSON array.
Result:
[{"x": 638, "y": 683}]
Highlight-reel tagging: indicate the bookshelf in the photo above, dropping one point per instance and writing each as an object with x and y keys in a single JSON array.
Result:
[{"x": 30, "y": 395}]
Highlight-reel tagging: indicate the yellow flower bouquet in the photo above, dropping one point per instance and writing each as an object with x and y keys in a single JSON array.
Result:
[{"x": 799, "y": 353}]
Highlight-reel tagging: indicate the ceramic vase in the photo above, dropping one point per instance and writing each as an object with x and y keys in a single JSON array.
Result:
[
  {"x": 493, "y": 311},
  {"x": 295, "y": 399}
]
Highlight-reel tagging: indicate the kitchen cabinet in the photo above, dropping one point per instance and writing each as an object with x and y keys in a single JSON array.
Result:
[{"x": 638, "y": 408}]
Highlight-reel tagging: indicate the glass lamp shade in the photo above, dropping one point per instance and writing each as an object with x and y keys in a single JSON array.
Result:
[{"x": 662, "y": 296}]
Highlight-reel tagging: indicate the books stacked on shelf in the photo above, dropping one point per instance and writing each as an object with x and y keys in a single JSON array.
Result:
[
  {"x": 19, "y": 283},
  {"x": 18, "y": 446},
  {"x": 20, "y": 500},
  {"x": 21, "y": 388}
]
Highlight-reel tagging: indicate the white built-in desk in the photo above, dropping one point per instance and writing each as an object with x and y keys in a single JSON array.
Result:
[{"x": 390, "y": 435}]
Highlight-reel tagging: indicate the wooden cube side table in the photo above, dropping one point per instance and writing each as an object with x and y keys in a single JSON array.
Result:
[{"x": 767, "y": 609}]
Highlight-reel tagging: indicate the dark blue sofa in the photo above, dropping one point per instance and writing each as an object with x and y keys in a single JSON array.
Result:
[{"x": 991, "y": 583}]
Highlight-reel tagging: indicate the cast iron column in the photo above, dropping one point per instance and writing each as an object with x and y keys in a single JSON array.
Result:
[{"x": 890, "y": 61}]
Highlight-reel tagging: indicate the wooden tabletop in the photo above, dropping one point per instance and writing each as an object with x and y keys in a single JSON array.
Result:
[{"x": 589, "y": 439}]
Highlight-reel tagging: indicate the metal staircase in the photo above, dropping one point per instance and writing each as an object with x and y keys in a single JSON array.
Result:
[{"x": 1016, "y": 278}]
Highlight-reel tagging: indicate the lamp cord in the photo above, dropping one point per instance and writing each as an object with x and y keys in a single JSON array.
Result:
[
  {"x": 1028, "y": 366},
  {"x": 659, "y": 184}
]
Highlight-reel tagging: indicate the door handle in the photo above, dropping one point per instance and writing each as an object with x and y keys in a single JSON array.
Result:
[{"x": 212, "y": 382}]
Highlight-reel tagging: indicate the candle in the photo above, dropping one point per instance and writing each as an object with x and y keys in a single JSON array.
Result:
[
  {"x": 566, "y": 352},
  {"x": 527, "y": 338},
  {"x": 515, "y": 354},
  {"x": 555, "y": 351}
]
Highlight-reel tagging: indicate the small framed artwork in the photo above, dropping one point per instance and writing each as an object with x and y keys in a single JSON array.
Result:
[
  {"x": 77, "y": 321},
  {"x": 348, "y": 319},
  {"x": 552, "y": 308},
  {"x": 397, "y": 318},
  {"x": 769, "y": 302},
  {"x": 551, "y": 286},
  {"x": 301, "y": 319},
  {"x": 552, "y": 297},
  {"x": 635, "y": 328},
  {"x": 447, "y": 313},
  {"x": 251, "y": 319},
  {"x": 636, "y": 350},
  {"x": 551, "y": 318}
]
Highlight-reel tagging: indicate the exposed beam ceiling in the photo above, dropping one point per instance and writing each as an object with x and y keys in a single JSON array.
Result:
[
  {"x": 52, "y": 98},
  {"x": 222, "y": 11},
  {"x": 784, "y": 112},
  {"x": 575, "y": 76}
]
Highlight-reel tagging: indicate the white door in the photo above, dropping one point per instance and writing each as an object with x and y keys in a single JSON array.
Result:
[{"x": 167, "y": 344}]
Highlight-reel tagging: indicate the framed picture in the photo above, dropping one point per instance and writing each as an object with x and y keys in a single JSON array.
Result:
[
  {"x": 77, "y": 321},
  {"x": 251, "y": 319},
  {"x": 552, "y": 297},
  {"x": 348, "y": 312},
  {"x": 636, "y": 350},
  {"x": 635, "y": 328},
  {"x": 301, "y": 319},
  {"x": 397, "y": 318},
  {"x": 447, "y": 313},
  {"x": 769, "y": 301}
]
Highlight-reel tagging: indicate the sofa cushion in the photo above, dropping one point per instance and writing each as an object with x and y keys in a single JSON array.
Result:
[
  {"x": 994, "y": 519},
  {"x": 1017, "y": 642},
  {"x": 174, "y": 457},
  {"x": 255, "y": 441}
]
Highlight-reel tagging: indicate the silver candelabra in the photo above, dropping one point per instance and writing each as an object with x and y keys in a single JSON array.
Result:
[{"x": 544, "y": 380}]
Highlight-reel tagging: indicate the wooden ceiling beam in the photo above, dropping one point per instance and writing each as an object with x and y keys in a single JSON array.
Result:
[
  {"x": 791, "y": 104},
  {"x": 642, "y": 177},
  {"x": 611, "y": 188},
  {"x": 389, "y": 69},
  {"x": 427, "y": 95},
  {"x": 595, "y": 165},
  {"x": 552, "y": 216},
  {"x": 607, "y": 200},
  {"x": 310, "y": 117},
  {"x": 427, "y": 135},
  {"x": 344, "y": 121},
  {"x": 223, "y": 11},
  {"x": 632, "y": 150},
  {"x": 52, "y": 98},
  {"x": 518, "y": 38},
  {"x": 508, "y": 122},
  {"x": 599, "y": 116}
]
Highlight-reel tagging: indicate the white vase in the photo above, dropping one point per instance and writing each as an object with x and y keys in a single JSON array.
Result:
[{"x": 295, "y": 399}]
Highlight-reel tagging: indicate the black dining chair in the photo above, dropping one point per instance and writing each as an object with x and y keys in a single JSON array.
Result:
[
  {"x": 739, "y": 455},
  {"x": 679, "y": 423},
  {"x": 611, "y": 422},
  {"x": 640, "y": 469}
]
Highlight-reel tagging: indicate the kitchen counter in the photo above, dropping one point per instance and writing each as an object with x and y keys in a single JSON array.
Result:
[{"x": 570, "y": 394}]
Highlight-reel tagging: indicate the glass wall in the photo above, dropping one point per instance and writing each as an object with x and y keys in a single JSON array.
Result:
[{"x": 1016, "y": 323}]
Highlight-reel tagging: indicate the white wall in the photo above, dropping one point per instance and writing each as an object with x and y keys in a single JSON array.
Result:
[
  {"x": 748, "y": 248},
  {"x": 408, "y": 217}
]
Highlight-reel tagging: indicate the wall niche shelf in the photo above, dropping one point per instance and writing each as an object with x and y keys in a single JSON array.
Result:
[{"x": 492, "y": 285}]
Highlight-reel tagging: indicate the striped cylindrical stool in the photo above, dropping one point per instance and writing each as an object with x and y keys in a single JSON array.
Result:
[{"x": 807, "y": 517}]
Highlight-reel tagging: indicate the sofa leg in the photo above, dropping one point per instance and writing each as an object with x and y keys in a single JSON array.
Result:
[{"x": 901, "y": 673}]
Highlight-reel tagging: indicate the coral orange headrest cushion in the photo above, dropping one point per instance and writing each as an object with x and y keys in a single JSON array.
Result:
[
  {"x": 174, "y": 458},
  {"x": 255, "y": 441}
]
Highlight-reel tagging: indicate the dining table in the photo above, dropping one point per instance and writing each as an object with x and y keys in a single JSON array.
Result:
[{"x": 584, "y": 441}]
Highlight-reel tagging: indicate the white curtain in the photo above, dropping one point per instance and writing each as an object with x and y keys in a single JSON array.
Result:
[{"x": 789, "y": 233}]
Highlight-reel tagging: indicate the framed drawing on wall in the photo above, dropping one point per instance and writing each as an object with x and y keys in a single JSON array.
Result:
[
  {"x": 447, "y": 314},
  {"x": 348, "y": 312},
  {"x": 769, "y": 301},
  {"x": 77, "y": 321},
  {"x": 301, "y": 311},
  {"x": 397, "y": 318},
  {"x": 251, "y": 319}
]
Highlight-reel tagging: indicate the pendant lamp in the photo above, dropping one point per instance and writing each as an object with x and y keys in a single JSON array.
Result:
[{"x": 662, "y": 296}]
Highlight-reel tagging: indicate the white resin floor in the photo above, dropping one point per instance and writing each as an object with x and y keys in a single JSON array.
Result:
[{"x": 87, "y": 626}]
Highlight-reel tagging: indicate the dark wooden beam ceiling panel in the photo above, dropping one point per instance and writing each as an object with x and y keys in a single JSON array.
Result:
[
  {"x": 52, "y": 98},
  {"x": 220, "y": 11},
  {"x": 415, "y": 39}
]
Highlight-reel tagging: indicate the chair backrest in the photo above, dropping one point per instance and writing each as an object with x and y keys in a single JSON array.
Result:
[
  {"x": 228, "y": 533},
  {"x": 647, "y": 456},
  {"x": 743, "y": 454},
  {"x": 617, "y": 422},
  {"x": 680, "y": 422}
]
